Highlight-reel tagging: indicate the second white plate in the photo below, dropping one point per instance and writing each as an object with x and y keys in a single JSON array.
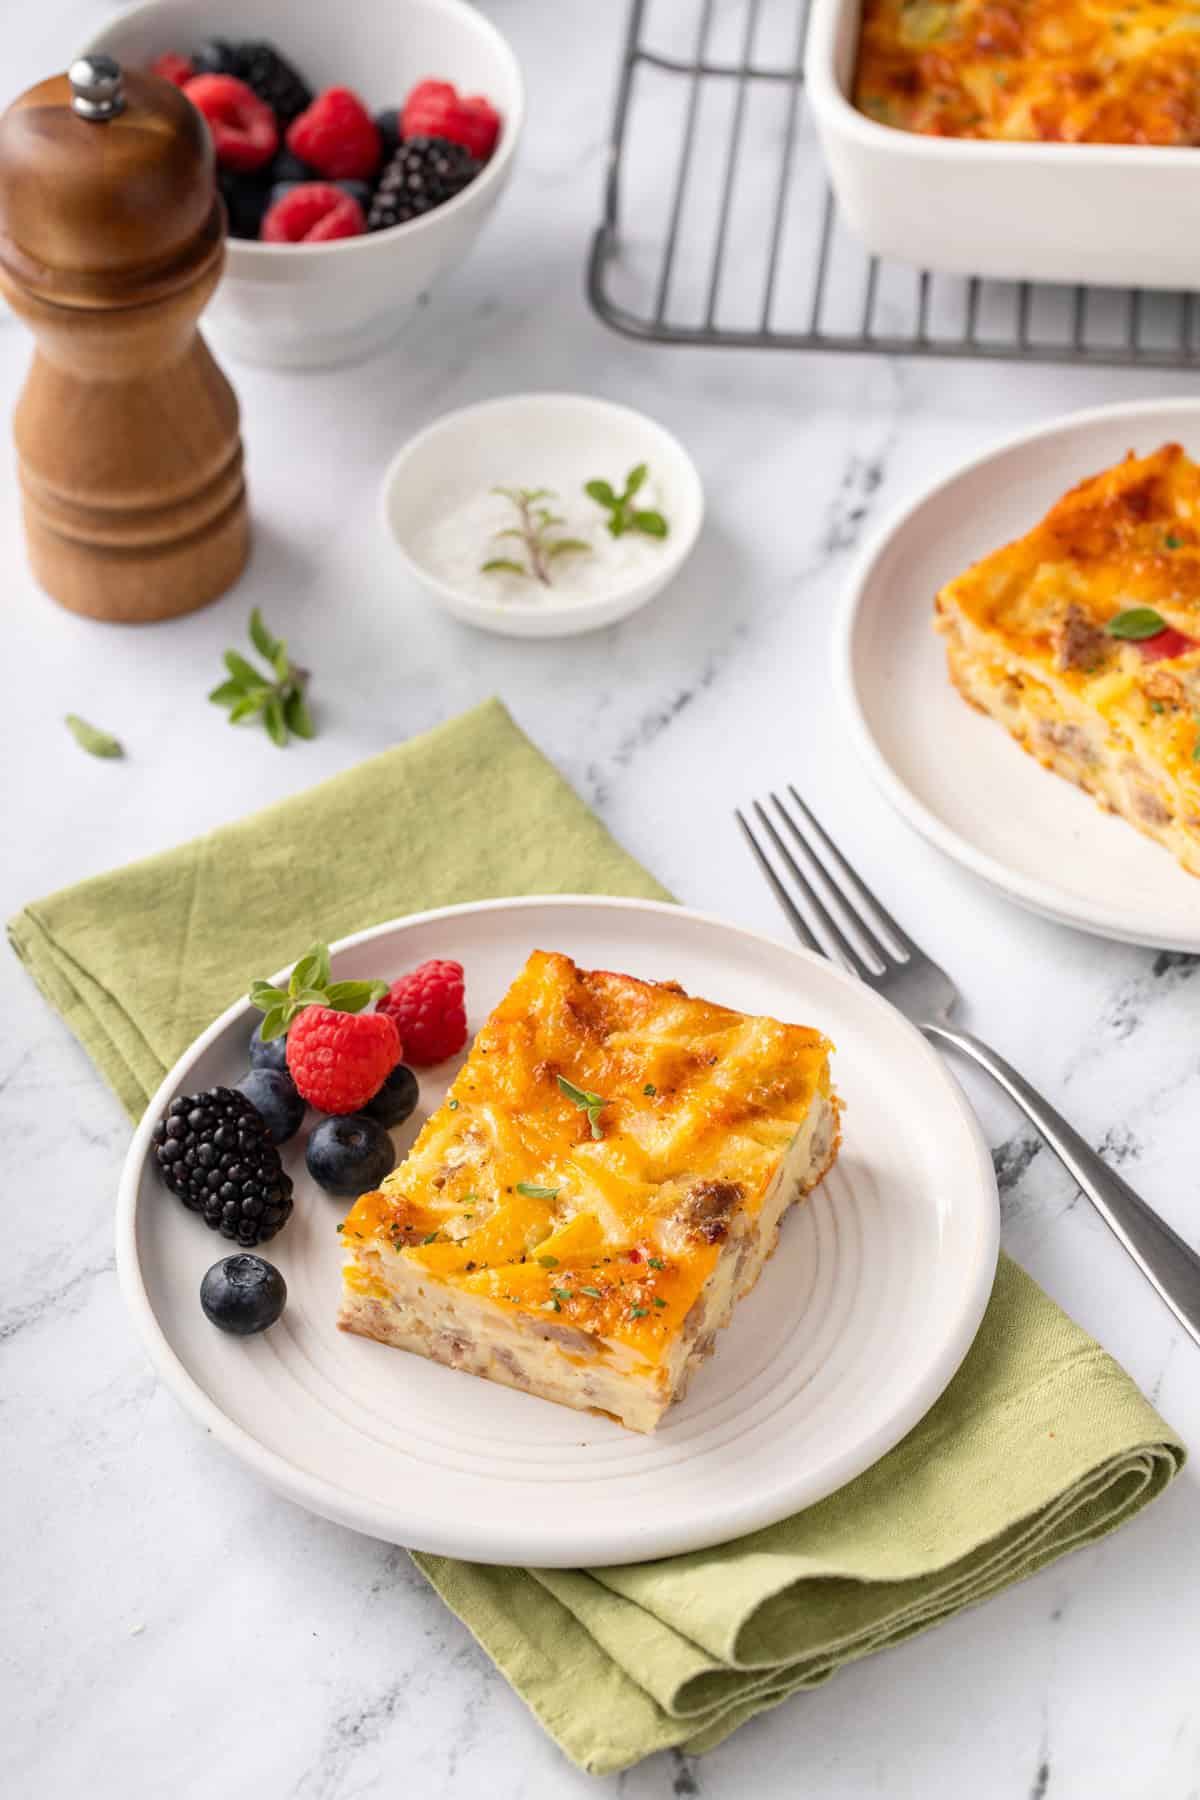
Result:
[
  {"x": 859, "y": 1321},
  {"x": 955, "y": 774}
]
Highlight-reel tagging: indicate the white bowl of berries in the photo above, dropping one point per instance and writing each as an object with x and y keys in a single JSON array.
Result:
[{"x": 360, "y": 147}]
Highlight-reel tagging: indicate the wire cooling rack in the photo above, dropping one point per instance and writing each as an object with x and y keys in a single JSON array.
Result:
[{"x": 719, "y": 226}]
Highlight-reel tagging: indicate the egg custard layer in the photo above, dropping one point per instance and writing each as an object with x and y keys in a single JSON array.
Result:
[
  {"x": 1083, "y": 639},
  {"x": 603, "y": 1182},
  {"x": 1055, "y": 71}
]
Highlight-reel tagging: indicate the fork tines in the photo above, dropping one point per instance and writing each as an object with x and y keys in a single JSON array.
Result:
[{"x": 846, "y": 924}]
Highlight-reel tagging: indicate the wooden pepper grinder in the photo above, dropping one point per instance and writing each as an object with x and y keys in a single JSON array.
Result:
[{"x": 111, "y": 242}]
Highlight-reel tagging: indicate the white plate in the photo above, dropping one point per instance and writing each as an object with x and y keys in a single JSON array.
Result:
[
  {"x": 856, "y": 1326},
  {"x": 556, "y": 441},
  {"x": 952, "y": 772}
]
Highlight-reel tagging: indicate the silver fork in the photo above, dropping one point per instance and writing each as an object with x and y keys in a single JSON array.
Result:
[{"x": 925, "y": 994}]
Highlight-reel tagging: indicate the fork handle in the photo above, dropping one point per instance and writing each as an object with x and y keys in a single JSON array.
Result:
[{"x": 1162, "y": 1256}]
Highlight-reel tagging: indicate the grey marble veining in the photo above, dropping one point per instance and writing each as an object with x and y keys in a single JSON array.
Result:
[{"x": 170, "y": 1627}]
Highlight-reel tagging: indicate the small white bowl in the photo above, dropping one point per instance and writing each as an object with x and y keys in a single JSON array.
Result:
[
  {"x": 539, "y": 440},
  {"x": 305, "y": 305}
]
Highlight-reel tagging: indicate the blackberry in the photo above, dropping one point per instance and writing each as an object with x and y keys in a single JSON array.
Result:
[
  {"x": 424, "y": 173},
  {"x": 246, "y": 200},
  {"x": 214, "y": 1150},
  {"x": 262, "y": 68},
  {"x": 217, "y": 56}
]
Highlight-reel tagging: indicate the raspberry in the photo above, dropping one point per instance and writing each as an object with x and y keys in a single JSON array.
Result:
[
  {"x": 339, "y": 1060},
  {"x": 313, "y": 212},
  {"x": 437, "y": 109},
  {"x": 427, "y": 1006},
  {"x": 244, "y": 132},
  {"x": 337, "y": 136},
  {"x": 173, "y": 67}
]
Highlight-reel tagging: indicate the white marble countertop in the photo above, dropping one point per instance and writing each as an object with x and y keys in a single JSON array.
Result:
[{"x": 171, "y": 1627}]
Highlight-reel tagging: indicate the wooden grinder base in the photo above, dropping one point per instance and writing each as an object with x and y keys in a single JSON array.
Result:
[{"x": 130, "y": 460}]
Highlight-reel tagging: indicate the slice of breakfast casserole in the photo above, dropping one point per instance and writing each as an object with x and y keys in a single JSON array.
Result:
[
  {"x": 1083, "y": 639},
  {"x": 601, "y": 1185}
]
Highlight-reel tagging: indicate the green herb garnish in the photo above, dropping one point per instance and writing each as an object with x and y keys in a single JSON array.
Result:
[
  {"x": 431, "y": 1239},
  {"x": 561, "y": 1293},
  {"x": 92, "y": 739},
  {"x": 639, "y": 1312},
  {"x": 623, "y": 516},
  {"x": 587, "y": 1102},
  {"x": 594, "y": 1292},
  {"x": 1172, "y": 542},
  {"x": 277, "y": 698},
  {"x": 548, "y": 1262},
  {"x": 535, "y": 524},
  {"x": 658, "y": 1301},
  {"x": 309, "y": 985},
  {"x": 532, "y": 1191},
  {"x": 656, "y": 1262},
  {"x": 1136, "y": 623},
  {"x": 1156, "y": 706},
  {"x": 453, "y": 1106},
  {"x": 553, "y": 1306},
  {"x": 650, "y": 1089}
]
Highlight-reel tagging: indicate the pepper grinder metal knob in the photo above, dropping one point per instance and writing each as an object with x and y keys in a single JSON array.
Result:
[
  {"x": 112, "y": 239},
  {"x": 96, "y": 90}
]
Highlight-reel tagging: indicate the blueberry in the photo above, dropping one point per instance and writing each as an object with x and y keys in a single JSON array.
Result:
[
  {"x": 246, "y": 198},
  {"x": 243, "y": 1294},
  {"x": 273, "y": 1094},
  {"x": 388, "y": 126},
  {"x": 287, "y": 166},
  {"x": 215, "y": 57},
  {"x": 350, "y": 1154},
  {"x": 396, "y": 1098},
  {"x": 271, "y": 1055}
]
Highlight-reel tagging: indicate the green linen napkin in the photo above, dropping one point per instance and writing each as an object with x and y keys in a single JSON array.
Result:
[{"x": 1040, "y": 1443}]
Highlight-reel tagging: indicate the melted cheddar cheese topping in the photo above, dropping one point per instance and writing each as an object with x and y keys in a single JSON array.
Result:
[
  {"x": 1070, "y": 71},
  {"x": 591, "y": 1155},
  {"x": 1123, "y": 543}
]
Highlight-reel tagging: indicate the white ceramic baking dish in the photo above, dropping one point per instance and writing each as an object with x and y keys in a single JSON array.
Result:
[{"x": 1103, "y": 214}]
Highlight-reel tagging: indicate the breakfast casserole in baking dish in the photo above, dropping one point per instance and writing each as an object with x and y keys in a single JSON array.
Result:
[
  {"x": 603, "y": 1182},
  {"x": 1069, "y": 71},
  {"x": 1083, "y": 639}
]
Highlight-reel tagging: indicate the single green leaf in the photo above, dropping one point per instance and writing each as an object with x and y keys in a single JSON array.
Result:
[
  {"x": 568, "y": 547},
  {"x": 651, "y": 523},
  {"x": 511, "y": 531},
  {"x": 266, "y": 997},
  {"x": 618, "y": 523},
  {"x": 248, "y": 705},
  {"x": 227, "y": 692},
  {"x": 273, "y": 718},
  {"x": 1136, "y": 623},
  {"x": 260, "y": 637},
  {"x": 1171, "y": 542},
  {"x": 353, "y": 996},
  {"x": 92, "y": 739},
  {"x": 548, "y": 1262},
  {"x": 634, "y": 480},
  {"x": 280, "y": 663},
  {"x": 312, "y": 970},
  {"x": 533, "y": 1192},
  {"x": 650, "y": 1089},
  {"x": 529, "y": 495},
  {"x": 601, "y": 492},
  {"x": 583, "y": 1097},
  {"x": 593, "y": 1291},
  {"x": 274, "y": 1024},
  {"x": 502, "y": 562},
  {"x": 244, "y": 672},
  {"x": 297, "y": 715}
]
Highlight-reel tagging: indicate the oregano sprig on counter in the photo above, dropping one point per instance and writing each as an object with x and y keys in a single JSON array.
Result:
[
  {"x": 535, "y": 523},
  {"x": 623, "y": 516},
  {"x": 309, "y": 985},
  {"x": 277, "y": 699}
]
